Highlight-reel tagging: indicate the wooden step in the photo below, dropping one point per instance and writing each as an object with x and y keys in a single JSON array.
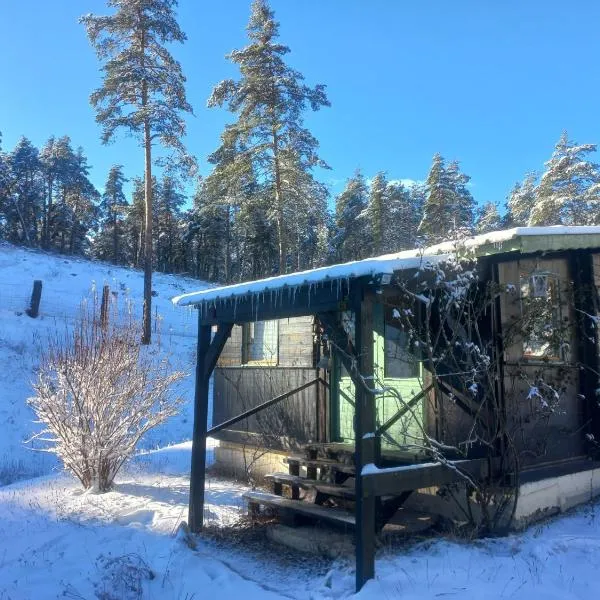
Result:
[
  {"x": 331, "y": 451},
  {"x": 323, "y": 487},
  {"x": 320, "y": 463},
  {"x": 297, "y": 507}
]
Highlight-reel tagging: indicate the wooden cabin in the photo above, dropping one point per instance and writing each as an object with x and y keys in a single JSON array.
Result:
[{"x": 356, "y": 389}]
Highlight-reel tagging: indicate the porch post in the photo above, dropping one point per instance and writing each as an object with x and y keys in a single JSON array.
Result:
[
  {"x": 365, "y": 441},
  {"x": 197, "y": 476}
]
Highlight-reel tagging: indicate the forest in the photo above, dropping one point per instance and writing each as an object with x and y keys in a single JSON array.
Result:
[{"x": 261, "y": 210}]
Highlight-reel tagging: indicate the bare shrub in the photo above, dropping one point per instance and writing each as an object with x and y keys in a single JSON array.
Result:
[{"x": 97, "y": 394}]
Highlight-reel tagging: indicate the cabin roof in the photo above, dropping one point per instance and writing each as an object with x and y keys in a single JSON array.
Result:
[{"x": 524, "y": 240}]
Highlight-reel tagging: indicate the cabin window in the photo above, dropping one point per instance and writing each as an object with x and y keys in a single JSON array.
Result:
[
  {"x": 542, "y": 318},
  {"x": 260, "y": 343},
  {"x": 399, "y": 362}
]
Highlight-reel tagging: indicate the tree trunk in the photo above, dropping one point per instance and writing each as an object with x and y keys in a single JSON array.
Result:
[
  {"x": 228, "y": 244},
  {"x": 115, "y": 234},
  {"x": 47, "y": 209},
  {"x": 147, "y": 317},
  {"x": 279, "y": 205}
]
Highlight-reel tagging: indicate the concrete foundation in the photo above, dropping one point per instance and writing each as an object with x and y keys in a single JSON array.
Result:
[
  {"x": 554, "y": 495},
  {"x": 243, "y": 462}
]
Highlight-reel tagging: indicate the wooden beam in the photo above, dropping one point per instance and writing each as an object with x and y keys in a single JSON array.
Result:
[
  {"x": 407, "y": 406},
  {"x": 286, "y": 303},
  {"x": 396, "y": 480},
  {"x": 262, "y": 406},
  {"x": 586, "y": 332},
  {"x": 198, "y": 467},
  {"x": 365, "y": 441},
  {"x": 216, "y": 347}
]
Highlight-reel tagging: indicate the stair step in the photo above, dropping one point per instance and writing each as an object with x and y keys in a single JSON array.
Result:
[
  {"x": 331, "y": 515},
  {"x": 321, "y": 463},
  {"x": 331, "y": 451},
  {"x": 330, "y": 489}
]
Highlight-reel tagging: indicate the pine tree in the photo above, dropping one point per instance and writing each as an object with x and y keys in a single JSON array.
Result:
[
  {"x": 414, "y": 214},
  {"x": 168, "y": 212},
  {"x": 521, "y": 201},
  {"x": 439, "y": 217},
  {"x": 230, "y": 187},
  {"x": 350, "y": 205},
  {"x": 377, "y": 214},
  {"x": 269, "y": 100},
  {"x": 81, "y": 201},
  {"x": 24, "y": 193},
  {"x": 402, "y": 218},
  {"x": 464, "y": 204},
  {"x": 569, "y": 189},
  {"x": 449, "y": 206},
  {"x": 488, "y": 218},
  {"x": 113, "y": 207},
  {"x": 143, "y": 92},
  {"x": 57, "y": 159}
]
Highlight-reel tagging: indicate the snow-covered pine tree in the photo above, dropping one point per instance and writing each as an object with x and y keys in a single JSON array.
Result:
[
  {"x": 439, "y": 216},
  {"x": 488, "y": 218},
  {"x": 108, "y": 244},
  {"x": 464, "y": 204},
  {"x": 134, "y": 223},
  {"x": 350, "y": 224},
  {"x": 58, "y": 165},
  {"x": 230, "y": 188},
  {"x": 521, "y": 201},
  {"x": 81, "y": 199},
  {"x": 569, "y": 190},
  {"x": 24, "y": 189},
  {"x": 143, "y": 91},
  {"x": 376, "y": 215},
  {"x": 170, "y": 199},
  {"x": 417, "y": 197},
  {"x": 269, "y": 100},
  {"x": 403, "y": 216}
]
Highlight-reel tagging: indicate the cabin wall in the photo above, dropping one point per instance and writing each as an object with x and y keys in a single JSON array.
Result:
[
  {"x": 293, "y": 420},
  {"x": 239, "y": 387},
  {"x": 542, "y": 435}
]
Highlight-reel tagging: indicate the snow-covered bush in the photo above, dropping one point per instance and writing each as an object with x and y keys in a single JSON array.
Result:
[{"x": 97, "y": 394}]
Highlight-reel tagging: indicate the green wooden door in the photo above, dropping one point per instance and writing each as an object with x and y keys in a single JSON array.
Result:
[{"x": 404, "y": 379}]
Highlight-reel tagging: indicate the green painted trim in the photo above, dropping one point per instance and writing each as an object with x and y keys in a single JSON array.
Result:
[{"x": 529, "y": 244}]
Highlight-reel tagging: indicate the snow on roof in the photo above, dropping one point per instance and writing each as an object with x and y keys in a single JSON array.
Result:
[
  {"x": 505, "y": 235},
  {"x": 379, "y": 265}
]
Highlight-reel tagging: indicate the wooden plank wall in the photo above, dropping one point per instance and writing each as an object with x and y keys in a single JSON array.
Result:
[
  {"x": 239, "y": 389},
  {"x": 559, "y": 436}
]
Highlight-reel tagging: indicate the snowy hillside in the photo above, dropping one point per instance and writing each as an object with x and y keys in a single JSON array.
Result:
[{"x": 66, "y": 283}]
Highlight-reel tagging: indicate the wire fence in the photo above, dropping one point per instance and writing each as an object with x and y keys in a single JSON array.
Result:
[{"x": 61, "y": 305}]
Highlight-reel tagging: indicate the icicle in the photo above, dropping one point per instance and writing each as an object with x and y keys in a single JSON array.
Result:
[{"x": 235, "y": 302}]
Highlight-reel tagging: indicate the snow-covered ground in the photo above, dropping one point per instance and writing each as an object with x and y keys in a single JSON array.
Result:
[
  {"x": 57, "y": 542},
  {"x": 67, "y": 282}
]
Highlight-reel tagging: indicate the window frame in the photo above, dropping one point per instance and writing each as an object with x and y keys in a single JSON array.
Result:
[{"x": 247, "y": 337}]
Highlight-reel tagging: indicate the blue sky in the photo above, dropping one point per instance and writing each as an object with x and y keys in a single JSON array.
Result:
[{"x": 491, "y": 84}]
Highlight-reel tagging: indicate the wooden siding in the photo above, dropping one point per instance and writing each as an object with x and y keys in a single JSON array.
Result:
[
  {"x": 294, "y": 420},
  {"x": 295, "y": 344},
  {"x": 557, "y": 436}
]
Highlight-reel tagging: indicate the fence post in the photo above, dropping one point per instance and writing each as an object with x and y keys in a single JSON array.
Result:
[
  {"x": 104, "y": 307},
  {"x": 36, "y": 296}
]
